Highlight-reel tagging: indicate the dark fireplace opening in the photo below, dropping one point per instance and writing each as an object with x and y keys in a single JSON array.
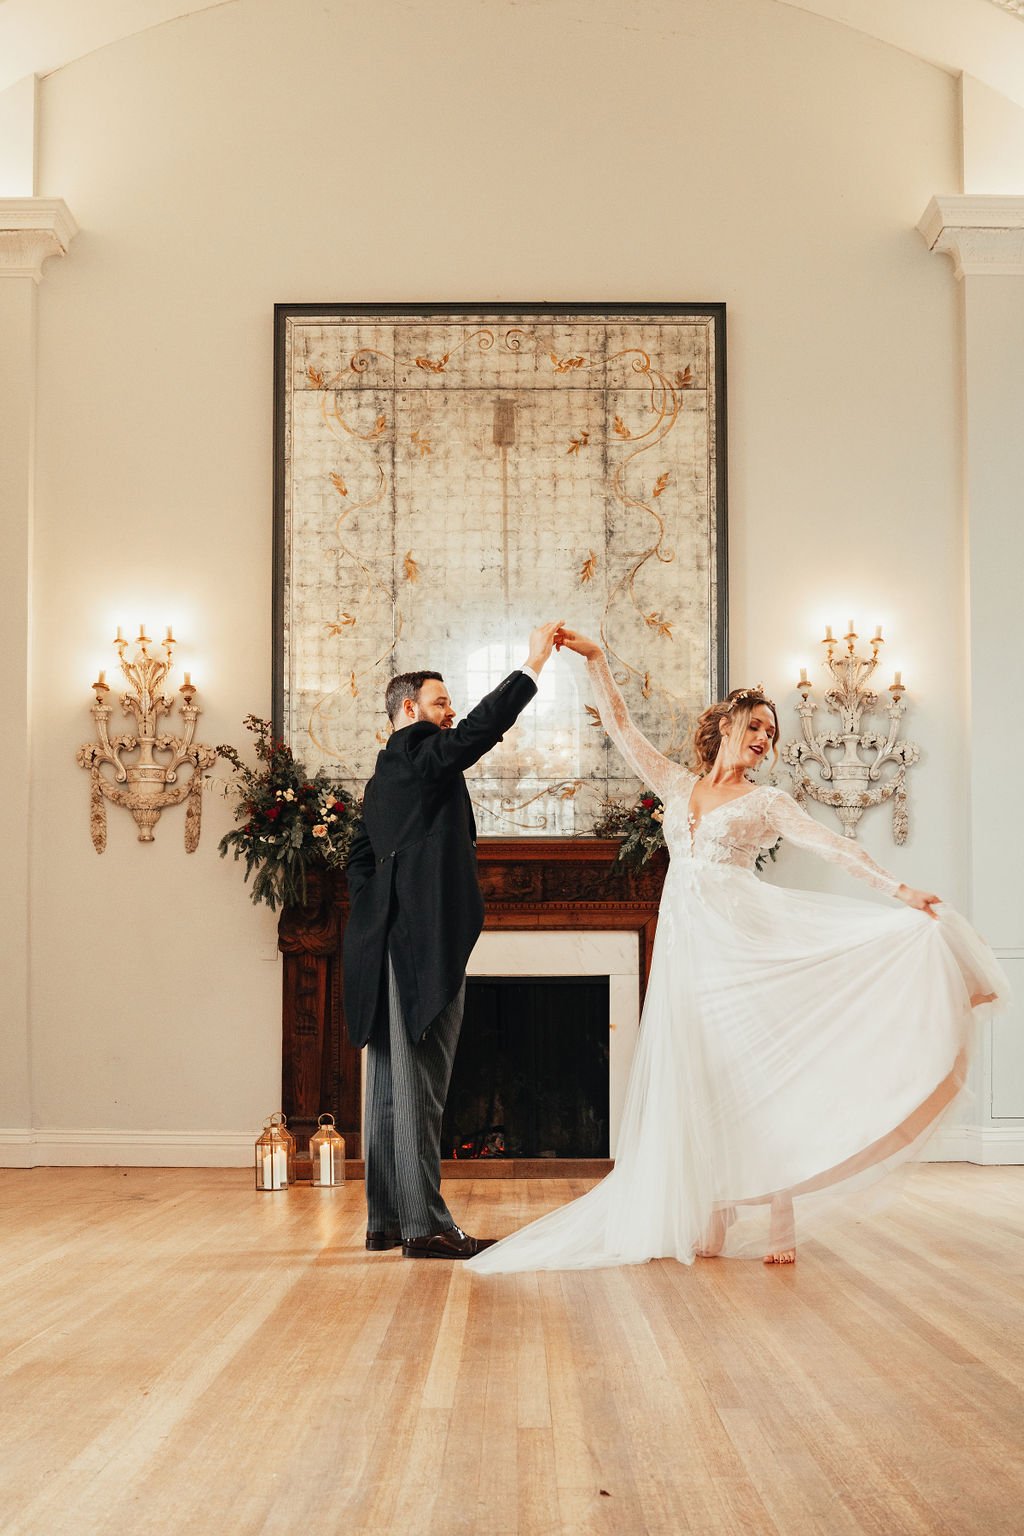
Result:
[{"x": 530, "y": 1077}]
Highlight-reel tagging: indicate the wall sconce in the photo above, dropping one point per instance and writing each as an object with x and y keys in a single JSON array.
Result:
[
  {"x": 148, "y": 786},
  {"x": 851, "y": 783}
]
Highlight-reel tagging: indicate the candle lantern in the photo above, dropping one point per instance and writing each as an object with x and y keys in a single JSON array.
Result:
[
  {"x": 327, "y": 1153},
  {"x": 271, "y": 1157},
  {"x": 280, "y": 1119}
]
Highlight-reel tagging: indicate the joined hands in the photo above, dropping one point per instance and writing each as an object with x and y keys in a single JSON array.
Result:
[
  {"x": 553, "y": 636},
  {"x": 574, "y": 641}
]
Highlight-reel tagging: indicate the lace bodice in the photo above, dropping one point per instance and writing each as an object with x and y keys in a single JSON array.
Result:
[{"x": 735, "y": 832}]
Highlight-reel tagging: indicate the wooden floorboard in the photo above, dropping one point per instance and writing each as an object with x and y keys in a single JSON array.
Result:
[{"x": 180, "y": 1352}]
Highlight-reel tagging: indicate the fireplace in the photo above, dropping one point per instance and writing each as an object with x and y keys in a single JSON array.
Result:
[
  {"x": 530, "y": 1078},
  {"x": 555, "y": 907}
]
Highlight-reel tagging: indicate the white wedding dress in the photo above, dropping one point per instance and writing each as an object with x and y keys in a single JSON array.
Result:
[{"x": 792, "y": 1043}]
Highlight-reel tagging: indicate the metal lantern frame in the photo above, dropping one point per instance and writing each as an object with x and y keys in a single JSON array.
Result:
[
  {"x": 327, "y": 1154},
  {"x": 271, "y": 1157}
]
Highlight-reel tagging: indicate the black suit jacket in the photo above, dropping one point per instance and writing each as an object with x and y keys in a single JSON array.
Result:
[{"x": 412, "y": 874}]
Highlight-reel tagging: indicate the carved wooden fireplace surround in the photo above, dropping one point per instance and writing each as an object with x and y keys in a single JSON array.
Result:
[{"x": 547, "y": 884}]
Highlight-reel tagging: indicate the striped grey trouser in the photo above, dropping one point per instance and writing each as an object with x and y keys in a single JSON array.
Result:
[{"x": 406, "y": 1088}]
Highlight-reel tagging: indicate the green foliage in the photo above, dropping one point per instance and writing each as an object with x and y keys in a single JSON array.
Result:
[{"x": 291, "y": 823}]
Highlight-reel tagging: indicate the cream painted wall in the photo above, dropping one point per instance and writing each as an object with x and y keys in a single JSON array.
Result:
[
  {"x": 17, "y": 451},
  {"x": 994, "y": 329},
  {"x": 18, "y": 138},
  {"x": 993, "y": 140},
  {"x": 714, "y": 150}
]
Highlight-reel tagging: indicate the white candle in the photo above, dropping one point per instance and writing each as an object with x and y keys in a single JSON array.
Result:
[
  {"x": 878, "y": 632},
  {"x": 120, "y": 635},
  {"x": 280, "y": 1168},
  {"x": 898, "y": 680},
  {"x": 850, "y": 629},
  {"x": 170, "y": 632},
  {"x": 828, "y": 631},
  {"x": 267, "y": 1172},
  {"x": 103, "y": 677},
  {"x": 803, "y": 674},
  {"x": 188, "y": 679},
  {"x": 326, "y": 1164}
]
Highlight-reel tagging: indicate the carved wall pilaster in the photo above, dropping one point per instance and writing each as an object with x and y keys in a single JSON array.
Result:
[
  {"x": 31, "y": 230},
  {"x": 984, "y": 236}
]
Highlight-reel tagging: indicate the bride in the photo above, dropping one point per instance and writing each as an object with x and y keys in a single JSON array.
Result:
[{"x": 794, "y": 1046}]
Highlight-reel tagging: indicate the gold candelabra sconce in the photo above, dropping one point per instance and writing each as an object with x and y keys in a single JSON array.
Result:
[
  {"x": 852, "y": 780},
  {"x": 145, "y": 786}
]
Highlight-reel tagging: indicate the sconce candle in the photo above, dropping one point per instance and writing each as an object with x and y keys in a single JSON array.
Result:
[
  {"x": 803, "y": 674},
  {"x": 828, "y": 632}
]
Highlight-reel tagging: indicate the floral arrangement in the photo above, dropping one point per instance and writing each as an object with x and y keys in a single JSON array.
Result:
[
  {"x": 291, "y": 823},
  {"x": 640, "y": 827}
]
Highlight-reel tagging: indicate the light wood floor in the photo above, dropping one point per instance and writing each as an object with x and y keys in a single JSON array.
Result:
[{"x": 181, "y": 1354}]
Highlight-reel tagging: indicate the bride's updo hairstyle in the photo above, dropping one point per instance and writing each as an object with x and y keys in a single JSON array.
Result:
[{"x": 736, "y": 709}]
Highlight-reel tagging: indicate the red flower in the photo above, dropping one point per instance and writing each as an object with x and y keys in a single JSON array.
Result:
[
  {"x": 648, "y": 803},
  {"x": 273, "y": 812},
  {"x": 339, "y": 807}
]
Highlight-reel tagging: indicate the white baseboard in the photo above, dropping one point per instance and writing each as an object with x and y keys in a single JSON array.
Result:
[
  {"x": 990, "y": 1145},
  {"x": 125, "y": 1149}
]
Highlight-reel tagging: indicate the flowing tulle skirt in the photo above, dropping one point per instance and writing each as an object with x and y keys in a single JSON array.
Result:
[{"x": 792, "y": 1044}]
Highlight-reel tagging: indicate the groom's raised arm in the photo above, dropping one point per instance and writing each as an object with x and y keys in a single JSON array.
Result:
[{"x": 436, "y": 752}]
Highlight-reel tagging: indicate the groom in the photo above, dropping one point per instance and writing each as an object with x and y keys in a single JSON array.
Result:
[{"x": 416, "y": 912}]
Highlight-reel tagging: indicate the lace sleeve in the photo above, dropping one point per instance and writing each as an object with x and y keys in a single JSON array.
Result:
[
  {"x": 652, "y": 767},
  {"x": 787, "y": 819}
]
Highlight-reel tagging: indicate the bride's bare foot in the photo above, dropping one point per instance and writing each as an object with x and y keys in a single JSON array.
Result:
[
  {"x": 782, "y": 1232},
  {"x": 714, "y": 1239}
]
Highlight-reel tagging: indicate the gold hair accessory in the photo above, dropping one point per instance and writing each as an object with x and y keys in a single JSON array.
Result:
[{"x": 744, "y": 694}]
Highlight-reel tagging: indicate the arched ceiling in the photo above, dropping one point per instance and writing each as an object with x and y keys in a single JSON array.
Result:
[{"x": 983, "y": 38}]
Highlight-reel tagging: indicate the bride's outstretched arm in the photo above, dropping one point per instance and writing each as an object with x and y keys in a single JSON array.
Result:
[
  {"x": 790, "y": 821},
  {"x": 652, "y": 767}
]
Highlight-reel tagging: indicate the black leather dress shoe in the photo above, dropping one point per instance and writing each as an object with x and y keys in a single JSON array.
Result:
[
  {"x": 452, "y": 1243},
  {"x": 380, "y": 1242}
]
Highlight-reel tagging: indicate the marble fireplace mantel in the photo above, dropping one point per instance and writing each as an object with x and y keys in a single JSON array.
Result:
[{"x": 553, "y": 886}]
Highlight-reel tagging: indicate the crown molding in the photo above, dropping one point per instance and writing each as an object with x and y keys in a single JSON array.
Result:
[
  {"x": 983, "y": 235},
  {"x": 31, "y": 230}
]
